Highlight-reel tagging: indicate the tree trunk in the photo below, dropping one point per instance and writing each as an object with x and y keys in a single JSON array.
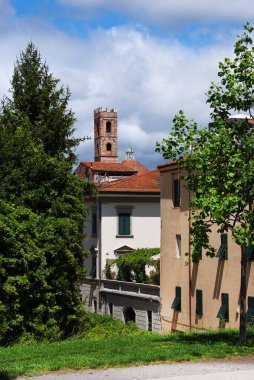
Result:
[{"x": 242, "y": 338}]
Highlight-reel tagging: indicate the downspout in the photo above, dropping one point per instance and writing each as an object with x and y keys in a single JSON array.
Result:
[
  {"x": 99, "y": 255},
  {"x": 190, "y": 266}
]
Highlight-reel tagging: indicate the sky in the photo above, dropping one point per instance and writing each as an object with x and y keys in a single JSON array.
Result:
[{"x": 146, "y": 58}]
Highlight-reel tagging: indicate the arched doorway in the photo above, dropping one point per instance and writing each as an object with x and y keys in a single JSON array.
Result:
[{"x": 129, "y": 315}]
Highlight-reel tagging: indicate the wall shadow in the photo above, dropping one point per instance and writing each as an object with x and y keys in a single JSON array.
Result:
[
  {"x": 219, "y": 274},
  {"x": 248, "y": 267},
  {"x": 174, "y": 320},
  {"x": 194, "y": 275}
]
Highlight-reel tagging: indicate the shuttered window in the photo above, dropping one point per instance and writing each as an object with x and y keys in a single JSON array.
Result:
[
  {"x": 176, "y": 192},
  {"x": 250, "y": 252},
  {"x": 250, "y": 312},
  {"x": 124, "y": 223},
  {"x": 94, "y": 223},
  {"x": 177, "y": 304},
  {"x": 223, "y": 312},
  {"x": 223, "y": 250},
  {"x": 93, "y": 269},
  {"x": 199, "y": 302}
]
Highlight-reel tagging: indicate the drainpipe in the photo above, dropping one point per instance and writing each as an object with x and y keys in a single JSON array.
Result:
[
  {"x": 99, "y": 255},
  {"x": 190, "y": 264}
]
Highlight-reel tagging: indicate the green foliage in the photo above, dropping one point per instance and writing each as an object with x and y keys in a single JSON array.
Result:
[
  {"x": 132, "y": 266},
  {"x": 104, "y": 326},
  {"x": 42, "y": 211}
]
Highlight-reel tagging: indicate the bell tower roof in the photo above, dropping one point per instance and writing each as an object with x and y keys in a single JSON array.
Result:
[{"x": 130, "y": 153}]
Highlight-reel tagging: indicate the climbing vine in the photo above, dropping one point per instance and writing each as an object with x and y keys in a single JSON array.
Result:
[{"x": 133, "y": 266}]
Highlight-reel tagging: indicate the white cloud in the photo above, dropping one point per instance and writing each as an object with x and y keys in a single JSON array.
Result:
[
  {"x": 173, "y": 11},
  {"x": 147, "y": 79}
]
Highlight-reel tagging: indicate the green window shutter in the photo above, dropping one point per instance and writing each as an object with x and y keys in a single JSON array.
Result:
[
  {"x": 176, "y": 305},
  {"x": 176, "y": 193},
  {"x": 250, "y": 312},
  {"x": 223, "y": 312},
  {"x": 223, "y": 250},
  {"x": 124, "y": 223},
  {"x": 93, "y": 272},
  {"x": 94, "y": 224},
  {"x": 199, "y": 302},
  {"x": 250, "y": 252}
]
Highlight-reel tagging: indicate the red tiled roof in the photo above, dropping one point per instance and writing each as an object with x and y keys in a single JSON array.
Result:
[
  {"x": 145, "y": 182},
  {"x": 135, "y": 165},
  {"x": 165, "y": 164},
  {"x": 108, "y": 166}
]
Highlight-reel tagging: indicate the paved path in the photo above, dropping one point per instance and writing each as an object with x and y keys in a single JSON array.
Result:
[{"x": 237, "y": 369}]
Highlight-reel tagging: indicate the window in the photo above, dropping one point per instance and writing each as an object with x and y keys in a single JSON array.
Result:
[
  {"x": 223, "y": 250},
  {"x": 93, "y": 269},
  {"x": 108, "y": 126},
  {"x": 110, "y": 309},
  {"x": 108, "y": 147},
  {"x": 178, "y": 245},
  {"x": 176, "y": 305},
  {"x": 95, "y": 306},
  {"x": 94, "y": 222},
  {"x": 250, "y": 252},
  {"x": 124, "y": 223},
  {"x": 199, "y": 302},
  {"x": 176, "y": 192},
  {"x": 250, "y": 312},
  {"x": 223, "y": 312},
  {"x": 149, "y": 320}
]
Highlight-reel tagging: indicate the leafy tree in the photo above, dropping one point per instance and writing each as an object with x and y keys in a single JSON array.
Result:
[
  {"x": 42, "y": 210},
  {"x": 218, "y": 160}
]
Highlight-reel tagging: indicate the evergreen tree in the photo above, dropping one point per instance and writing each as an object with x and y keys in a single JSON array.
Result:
[
  {"x": 42, "y": 209},
  {"x": 39, "y": 96}
]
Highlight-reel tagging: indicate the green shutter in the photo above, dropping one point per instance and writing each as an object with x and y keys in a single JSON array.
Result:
[
  {"x": 223, "y": 312},
  {"x": 94, "y": 224},
  {"x": 250, "y": 312},
  {"x": 223, "y": 250},
  {"x": 93, "y": 272},
  {"x": 176, "y": 193},
  {"x": 124, "y": 223},
  {"x": 250, "y": 252},
  {"x": 199, "y": 302},
  {"x": 176, "y": 305}
]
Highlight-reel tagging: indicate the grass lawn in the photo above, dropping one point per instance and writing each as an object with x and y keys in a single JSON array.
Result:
[{"x": 74, "y": 354}]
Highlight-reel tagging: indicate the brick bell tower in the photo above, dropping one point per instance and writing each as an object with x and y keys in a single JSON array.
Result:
[{"x": 105, "y": 135}]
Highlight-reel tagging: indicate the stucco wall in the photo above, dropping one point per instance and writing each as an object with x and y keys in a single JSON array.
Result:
[
  {"x": 212, "y": 275},
  {"x": 145, "y": 228}
]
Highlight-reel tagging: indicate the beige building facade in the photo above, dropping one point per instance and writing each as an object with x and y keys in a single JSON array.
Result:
[{"x": 202, "y": 295}]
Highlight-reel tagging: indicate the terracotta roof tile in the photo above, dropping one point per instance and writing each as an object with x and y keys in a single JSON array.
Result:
[
  {"x": 135, "y": 165},
  {"x": 165, "y": 164},
  {"x": 108, "y": 166},
  {"x": 145, "y": 182}
]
